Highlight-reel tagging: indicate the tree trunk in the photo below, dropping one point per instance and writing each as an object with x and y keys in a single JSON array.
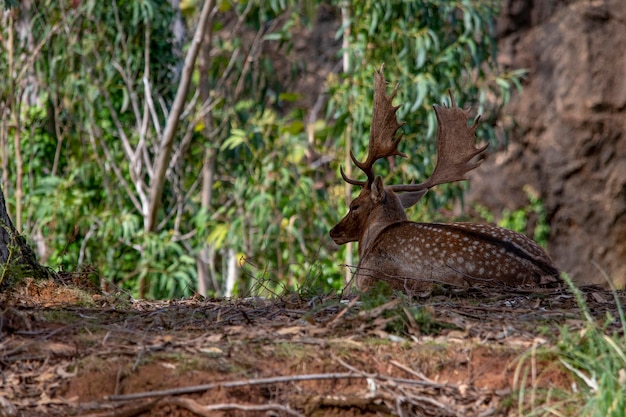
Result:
[
  {"x": 345, "y": 21},
  {"x": 232, "y": 274},
  {"x": 203, "y": 261},
  {"x": 17, "y": 259}
]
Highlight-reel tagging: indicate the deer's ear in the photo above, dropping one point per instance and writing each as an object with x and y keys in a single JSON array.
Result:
[
  {"x": 378, "y": 193},
  {"x": 411, "y": 198}
]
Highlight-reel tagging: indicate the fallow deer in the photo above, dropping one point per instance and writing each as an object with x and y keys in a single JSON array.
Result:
[{"x": 412, "y": 256}]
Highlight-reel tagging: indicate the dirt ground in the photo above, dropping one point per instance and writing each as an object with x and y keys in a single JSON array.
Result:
[{"x": 70, "y": 351}]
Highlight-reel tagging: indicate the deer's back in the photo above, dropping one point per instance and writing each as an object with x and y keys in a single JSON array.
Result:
[{"x": 412, "y": 256}]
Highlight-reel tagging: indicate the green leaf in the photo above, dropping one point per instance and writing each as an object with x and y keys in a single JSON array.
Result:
[
  {"x": 218, "y": 235},
  {"x": 237, "y": 138},
  {"x": 289, "y": 97},
  {"x": 293, "y": 128}
]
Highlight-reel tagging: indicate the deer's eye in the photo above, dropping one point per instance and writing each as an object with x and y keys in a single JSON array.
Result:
[{"x": 354, "y": 207}]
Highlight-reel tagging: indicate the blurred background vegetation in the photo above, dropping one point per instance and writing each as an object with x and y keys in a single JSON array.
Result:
[{"x": 252, "y": 185}]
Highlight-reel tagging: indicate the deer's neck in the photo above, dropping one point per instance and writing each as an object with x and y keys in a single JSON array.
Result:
[{"x": 376, "y": 222}]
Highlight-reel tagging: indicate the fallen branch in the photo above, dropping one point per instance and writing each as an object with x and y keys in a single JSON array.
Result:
[
  {"x": 130, "y": 410},
  {"x": 231, "y": 384}
]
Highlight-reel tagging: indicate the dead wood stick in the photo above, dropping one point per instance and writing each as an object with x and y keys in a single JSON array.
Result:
[
  {"x": 426, "y": 382},
  {"x": 376, "y": 312},
  {"x": 332, "y": 323},
  {"x": 231, "y": 384},
  {"x": 412, "y": 371},
  {"x": 209, "y": 410},
  {"x": 125, "y": 411},
  {"x": 431, "y": 401}
]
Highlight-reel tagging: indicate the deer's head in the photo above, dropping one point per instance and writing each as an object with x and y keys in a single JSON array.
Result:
[
  {"x": 375, "y": 206},
  {"x": 378, "y": 206}
]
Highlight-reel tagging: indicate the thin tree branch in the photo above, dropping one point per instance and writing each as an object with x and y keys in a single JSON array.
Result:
[
  {"x": 186, "y": 141},
  {"x": 126, "y": 73},
  {"x": 116, "y": 169},
  {"x": 128, "y": 148},
  {"x": 132, "y": 94},
  {"x": 32, "y": 55},
  {"x": 150, "y": 104}
]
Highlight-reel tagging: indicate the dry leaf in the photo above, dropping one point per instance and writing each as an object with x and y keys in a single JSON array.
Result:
[
  {"x": 598, "y": 297},
  {"x": 212, "y": 351},
  {"x": 291, "y": 330}
]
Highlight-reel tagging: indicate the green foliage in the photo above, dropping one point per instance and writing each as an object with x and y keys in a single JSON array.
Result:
[
  {"x": 596, "y": 360},
  {"x": 8, "y": 4},
  {"x": 270, "y": 217},
  {"x": 106, "y": 74},
  {"x": 74, "y": 160}
]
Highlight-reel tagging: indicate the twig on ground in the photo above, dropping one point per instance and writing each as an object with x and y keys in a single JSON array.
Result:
[
  {"x": 411, "y": 371},
  {"x": 378, "y": 311},
  {"x": 335, "y": 320}
]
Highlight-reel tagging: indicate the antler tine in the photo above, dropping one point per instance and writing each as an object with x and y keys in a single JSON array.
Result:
[
  {"x": 350, "y": 180},
  {"x": 452, "y": 102},
  {"x": 455, "y": 148},
  {"x": 382, "y": 142}
]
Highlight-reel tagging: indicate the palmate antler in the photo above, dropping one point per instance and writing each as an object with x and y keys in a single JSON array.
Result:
[
  {"x": 455, "y": 141},
  {"x": 382, "y": 132},
  {"x": 455, "y": 148}
]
